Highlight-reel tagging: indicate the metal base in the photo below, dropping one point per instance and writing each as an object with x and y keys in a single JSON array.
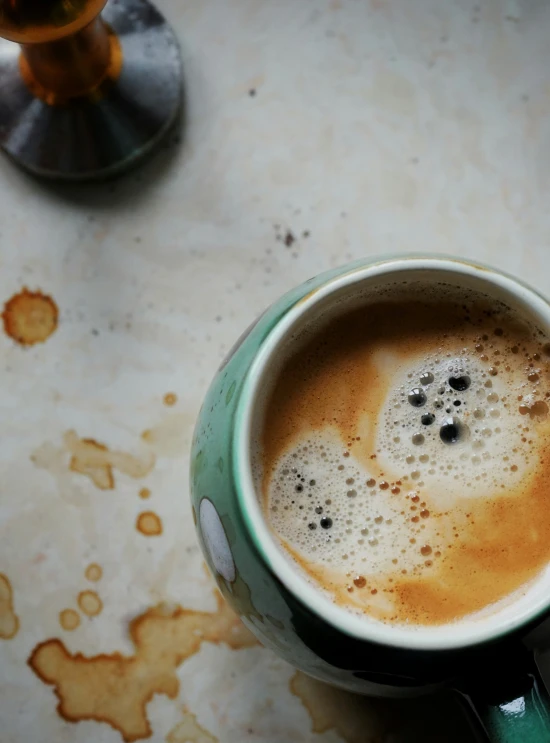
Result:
[{"x": 88, "y": 139}]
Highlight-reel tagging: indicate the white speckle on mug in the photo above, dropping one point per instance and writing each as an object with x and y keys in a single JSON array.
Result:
[{"x": 215, "y": 540}]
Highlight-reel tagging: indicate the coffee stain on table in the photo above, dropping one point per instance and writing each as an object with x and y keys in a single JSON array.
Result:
[
  {"x": 30, "y": 317},
  {"x": 149, "y": 524},
  {"x": 171, "y": 437},
  {"x": 88, "y": 457},
  {"x": 144, "y": 493},
  {"x": 114, "y": 688},
  {"x": 54, "y": 460},
  {"x": 170, "y": 399},
  {"x": 94, "y": 572},
  {"x": 96, "y": 461},
  {"x": 189, "y": 731},
  {"x": 69, "y": 619},
  {"x": 90, "y": 603},
  {"x": 351, "y": 716},
  {"x": 9, "y": 621}
]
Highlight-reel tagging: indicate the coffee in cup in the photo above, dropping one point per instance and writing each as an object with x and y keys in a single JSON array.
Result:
[{"x": 403, "y": 452}]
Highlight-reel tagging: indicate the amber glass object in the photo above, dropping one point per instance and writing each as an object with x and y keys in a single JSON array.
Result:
[{"x": 105, "y": 105}]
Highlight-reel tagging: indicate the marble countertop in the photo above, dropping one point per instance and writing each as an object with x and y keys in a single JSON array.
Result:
[{"x": 314, "y": 133}]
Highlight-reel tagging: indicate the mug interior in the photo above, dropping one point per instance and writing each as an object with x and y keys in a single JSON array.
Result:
[{"x": 336, "y": 295}]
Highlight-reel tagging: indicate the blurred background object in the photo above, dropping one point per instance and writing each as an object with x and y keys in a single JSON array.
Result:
[{"x": 85, "y": 96}]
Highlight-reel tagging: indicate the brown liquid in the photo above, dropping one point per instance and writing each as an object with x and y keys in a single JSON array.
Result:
[
  {"x": 30, "y": 317},
  {"x": 69, "y": 619},
  {"x": 149, "y": 524},
  {"x": 487, "y": 546},
  {"x": 94, "y": 572},
  {"x": 9, "y": 621},
  {"x": 90, "y": 603},
  {"x": 97, "y": 461},
  {"x": 115, "y": 689},
  {"x": 189, "y": 731}
]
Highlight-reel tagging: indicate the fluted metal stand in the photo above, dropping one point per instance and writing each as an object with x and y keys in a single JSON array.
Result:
[{"x": 130, "y": 95}]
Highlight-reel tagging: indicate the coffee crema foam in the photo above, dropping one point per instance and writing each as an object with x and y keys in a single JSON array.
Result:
[{"x": 404, "y": 454}]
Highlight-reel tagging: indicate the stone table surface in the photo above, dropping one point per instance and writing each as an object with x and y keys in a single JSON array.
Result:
[{"x": 315, "y": 132}]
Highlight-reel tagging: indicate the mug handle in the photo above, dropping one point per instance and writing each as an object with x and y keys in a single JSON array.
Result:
[{"x": 512, "y": 703}]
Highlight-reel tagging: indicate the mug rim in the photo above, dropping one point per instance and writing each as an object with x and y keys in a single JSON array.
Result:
[{"x": 450, "y": 636}]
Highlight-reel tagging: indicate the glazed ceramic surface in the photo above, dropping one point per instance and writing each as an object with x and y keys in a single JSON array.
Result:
[
  {"x": 315, "y": 133},
  {"x": 281, "y": 608},
  {"x": 241, "y": 551}
]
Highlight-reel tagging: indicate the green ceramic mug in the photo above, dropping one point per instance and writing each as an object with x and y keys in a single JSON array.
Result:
[{"x": 491, "y": 663}]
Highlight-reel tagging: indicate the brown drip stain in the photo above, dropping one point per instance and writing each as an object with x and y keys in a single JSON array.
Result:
[
  {"x": 189, "y": 731},
  {"x": 9, "y": 621},
  {"x": 90, "y": 603},
  {"x": 351, "y": 716},
  {"x": 170, "y": 437},
  {"x": 114, "y": 688},
  {"x": 149, "y": 524},
  {"x": 30, "y": 317},
  {"x": 69, "y": 619},
  {"x": 144, "y": 493},
  {"x": 93, "y": 572},
  {"x": 501, "y": 543},
  {"x": 96, "y": 461},
  {"x": 170, "y": 399}
]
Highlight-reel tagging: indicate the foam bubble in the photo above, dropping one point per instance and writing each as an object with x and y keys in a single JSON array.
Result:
[
  {"x": 467, "y": 428},
  {"x": 458, "y": 423},
  {"x": 382, "y": 522}
]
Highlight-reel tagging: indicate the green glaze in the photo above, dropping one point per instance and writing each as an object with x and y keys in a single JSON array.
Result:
[
  {"x": 518, "y": 720},
  {"x": 280, "y": 619},
  {"x": 516, "y": 709}
]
